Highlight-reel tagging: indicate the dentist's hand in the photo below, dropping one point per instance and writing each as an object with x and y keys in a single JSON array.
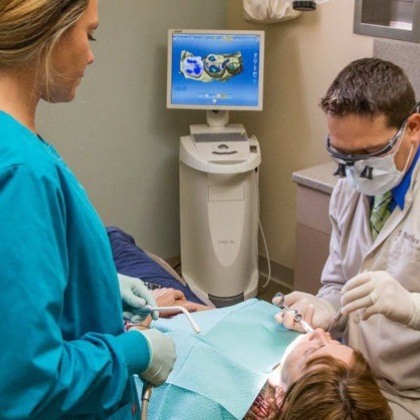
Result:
[
  {"x": 377, "y": 292},
  {"x": 136, "y": 296},
  {"x": 318, "y": 313},
  {"x": 162, "y": 357}
]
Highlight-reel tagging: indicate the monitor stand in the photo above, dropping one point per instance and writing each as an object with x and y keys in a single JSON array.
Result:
[
  {"x": 217, "y": 118},
  {"x": 217, "y": 122}
]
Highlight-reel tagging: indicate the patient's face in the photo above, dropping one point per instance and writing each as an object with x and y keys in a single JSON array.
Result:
[{"x": 310, "y": 346}]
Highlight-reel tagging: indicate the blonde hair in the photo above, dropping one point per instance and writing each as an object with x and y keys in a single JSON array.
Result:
[
  {"x": 331, "y": 390},
  {"x": 29, "y": 30}
]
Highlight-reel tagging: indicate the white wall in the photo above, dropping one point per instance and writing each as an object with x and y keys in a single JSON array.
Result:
[
  {"x": 302, "y": 58},
  {"x": 122, "y": 143},
  {"x": 117, "y": 136}
]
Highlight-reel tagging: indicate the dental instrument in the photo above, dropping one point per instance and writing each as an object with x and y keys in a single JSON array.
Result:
[
  {"x": 335, "y": 319},
  {"x": 194, "y": 325},
  {"x": 145, "y": 398},
  {"x": 338, "y": 315},
  {"x": 296, "y": 315},
  {"x": 148, "y": 387}
]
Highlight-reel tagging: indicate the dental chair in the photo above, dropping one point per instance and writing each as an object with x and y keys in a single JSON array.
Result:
[{"x": 133, "y": 261}]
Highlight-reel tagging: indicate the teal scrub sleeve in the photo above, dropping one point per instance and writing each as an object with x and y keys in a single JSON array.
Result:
[{"x": 44, "y": 373}]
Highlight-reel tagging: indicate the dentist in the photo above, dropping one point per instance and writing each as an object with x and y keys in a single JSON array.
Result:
[
  {"x": 64, "y": 351},
  {"x": 372, "y": 272}
]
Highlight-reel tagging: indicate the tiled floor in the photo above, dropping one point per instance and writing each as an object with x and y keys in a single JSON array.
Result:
[{"x": 266, "y": 293}]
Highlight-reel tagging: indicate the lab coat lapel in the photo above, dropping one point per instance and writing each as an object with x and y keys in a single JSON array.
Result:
[{"x": 397, "y": 216}]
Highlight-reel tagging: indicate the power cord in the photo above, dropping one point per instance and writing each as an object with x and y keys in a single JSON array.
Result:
[{"x": 257, "y": 179}]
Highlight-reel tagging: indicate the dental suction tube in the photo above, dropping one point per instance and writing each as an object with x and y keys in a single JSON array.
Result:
[{"x": 195, "y": 326}]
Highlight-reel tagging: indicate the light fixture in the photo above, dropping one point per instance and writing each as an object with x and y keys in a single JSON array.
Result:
[{"x": 304, "y": 6}]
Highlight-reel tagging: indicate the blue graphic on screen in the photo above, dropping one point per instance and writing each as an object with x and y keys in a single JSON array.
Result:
[{"x": 215, "y": 70}]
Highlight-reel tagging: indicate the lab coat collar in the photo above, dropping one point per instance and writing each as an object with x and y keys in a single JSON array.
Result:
[
  {"x": 400, "y": 191},
  {"x": 398, "y": 214}
]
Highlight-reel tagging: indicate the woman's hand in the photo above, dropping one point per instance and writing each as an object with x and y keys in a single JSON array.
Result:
[
  {"x": 173, "y": 297},
  {"x": 135, "y": 296}
]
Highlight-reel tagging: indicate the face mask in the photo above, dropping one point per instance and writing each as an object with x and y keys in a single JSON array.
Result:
[{"x": 383, "y": 174}]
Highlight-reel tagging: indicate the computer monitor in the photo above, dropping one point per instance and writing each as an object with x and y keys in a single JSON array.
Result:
[{"x": 215, "y": 69}]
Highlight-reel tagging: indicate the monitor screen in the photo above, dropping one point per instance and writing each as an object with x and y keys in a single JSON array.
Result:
[{"x": 215, "y": 69}]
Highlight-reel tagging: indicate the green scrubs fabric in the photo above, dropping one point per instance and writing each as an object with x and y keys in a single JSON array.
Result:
[{"x": 63, "y": 352}]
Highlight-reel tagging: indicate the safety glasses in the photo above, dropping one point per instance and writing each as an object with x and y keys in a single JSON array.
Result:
[{"x": 349, "y": 159}]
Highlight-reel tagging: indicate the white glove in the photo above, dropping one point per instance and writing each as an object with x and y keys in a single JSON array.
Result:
[
  {"x": 162, "y": 357},
  {"x": 318, "y": 313},
  {"x": 136, "y": 296},
  {"x": 377, "y": 292}
]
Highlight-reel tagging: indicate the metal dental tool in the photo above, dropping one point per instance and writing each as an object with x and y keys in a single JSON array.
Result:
[
  {"x": 279, "y": 301},
  {"x": 338, "y": 315},
  {"x": 148, "y": 387},
  {"x": 335, "y": 320}
]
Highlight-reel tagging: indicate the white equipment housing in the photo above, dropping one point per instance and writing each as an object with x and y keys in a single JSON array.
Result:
[{"x": 219, "y": 212}]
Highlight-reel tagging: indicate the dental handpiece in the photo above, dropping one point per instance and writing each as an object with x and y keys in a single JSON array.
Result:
[
  {"x": 147, "y": 387},
  {"x": 278, "y": 300},
  {"x": 191, "y": 320},
  {"x": 298, "y": 318}
]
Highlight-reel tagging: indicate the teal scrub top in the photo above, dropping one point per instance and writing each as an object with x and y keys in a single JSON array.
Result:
[{"x": 64, "y": 352}]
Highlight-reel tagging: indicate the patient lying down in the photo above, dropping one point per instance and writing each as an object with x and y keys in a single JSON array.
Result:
[
  {"x": 320, "y": 378},
  {"x": 317, "y": 377}
]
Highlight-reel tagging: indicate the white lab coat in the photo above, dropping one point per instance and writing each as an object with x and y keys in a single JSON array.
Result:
[{"x": 392, "y": 349}]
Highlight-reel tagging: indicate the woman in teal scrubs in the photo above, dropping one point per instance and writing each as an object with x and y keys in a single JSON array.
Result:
[{"x": 64, "y": 350}]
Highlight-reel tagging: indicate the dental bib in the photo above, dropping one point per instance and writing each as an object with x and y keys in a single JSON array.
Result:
[{"x": 219, "y": 373}]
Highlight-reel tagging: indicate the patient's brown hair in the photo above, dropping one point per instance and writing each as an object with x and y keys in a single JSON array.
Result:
[
  {"x": 331, "y": 390},
  {"x": 328, "y": 390}
]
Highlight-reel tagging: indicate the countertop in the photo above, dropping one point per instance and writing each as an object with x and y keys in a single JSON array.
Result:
[{"x": 318, "y": 177}]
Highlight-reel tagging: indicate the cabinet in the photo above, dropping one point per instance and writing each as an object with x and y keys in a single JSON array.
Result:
[
  {"x": 313, "y": 228},
  {"x": 395, "y": 19}
]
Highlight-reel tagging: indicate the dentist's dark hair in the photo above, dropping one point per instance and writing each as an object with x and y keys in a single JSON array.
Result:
[{"x": 371, "y": 87}]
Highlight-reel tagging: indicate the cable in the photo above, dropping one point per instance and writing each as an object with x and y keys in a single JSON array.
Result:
[
  {"x": 145, "y": 398},
  {"x": 267, "y": 255},
  {"x": 262, "y": 230},
  {"x": 147, "y": 386}
]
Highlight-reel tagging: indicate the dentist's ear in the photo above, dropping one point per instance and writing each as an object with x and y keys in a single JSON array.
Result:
[{"x": 413, "y": 127}]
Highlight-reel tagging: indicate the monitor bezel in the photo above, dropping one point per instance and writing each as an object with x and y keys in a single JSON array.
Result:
[{"x": 258, "y": 107}]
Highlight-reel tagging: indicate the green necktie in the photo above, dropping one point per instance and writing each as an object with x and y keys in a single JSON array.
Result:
[{"x": 380, "y": 213}]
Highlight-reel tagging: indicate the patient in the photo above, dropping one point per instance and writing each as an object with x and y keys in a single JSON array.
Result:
[
  {"x": 169, "y": 289},
  {"x": 321, "y": 379},
  {"x": 317, "y": 377}
]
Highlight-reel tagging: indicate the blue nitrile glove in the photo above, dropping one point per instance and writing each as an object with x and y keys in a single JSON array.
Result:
[
  {"x": 162, "y": 357},
  {"x": 135, "y": 296}
]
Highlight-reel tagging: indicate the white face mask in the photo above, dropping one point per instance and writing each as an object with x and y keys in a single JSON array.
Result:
[{"x": 384, "y": 174}]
